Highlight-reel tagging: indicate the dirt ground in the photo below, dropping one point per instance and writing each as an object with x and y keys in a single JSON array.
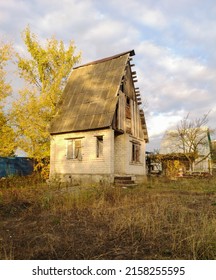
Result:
[{"x": 155, "y": 221}]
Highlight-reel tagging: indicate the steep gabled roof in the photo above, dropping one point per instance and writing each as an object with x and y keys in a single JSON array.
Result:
[{"x": 90, "y": 96}]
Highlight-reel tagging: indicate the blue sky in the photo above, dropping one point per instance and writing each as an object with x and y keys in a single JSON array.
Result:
[{"x": 174, "y": 42}]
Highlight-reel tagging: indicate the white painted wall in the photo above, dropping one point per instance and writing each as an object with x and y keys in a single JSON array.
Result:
[
  {"x": 116, "y": 158},
  {"x": 89, "y": 164},
  {"x": 123, "y": 154}
]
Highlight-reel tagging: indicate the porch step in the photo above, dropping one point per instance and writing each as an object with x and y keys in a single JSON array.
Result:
[
  {"x": 125, "y": 178},
  {"x": 124, "y": 181}
]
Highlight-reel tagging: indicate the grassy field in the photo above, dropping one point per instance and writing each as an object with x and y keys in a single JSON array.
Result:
[{"x": 158, "y": 220}]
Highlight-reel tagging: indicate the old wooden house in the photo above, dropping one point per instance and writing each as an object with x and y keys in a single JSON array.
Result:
[{"x": 99, "y": 132}]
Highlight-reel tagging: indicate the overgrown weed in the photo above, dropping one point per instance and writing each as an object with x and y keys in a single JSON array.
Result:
[{"x": 159, "y": 220}]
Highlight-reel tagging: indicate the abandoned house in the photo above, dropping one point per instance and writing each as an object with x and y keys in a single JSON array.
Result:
[
  {"x": 193, "y": 148},
  {"x": 99, "y": 132}
]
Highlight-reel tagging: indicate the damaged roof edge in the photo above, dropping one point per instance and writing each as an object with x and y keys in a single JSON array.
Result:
[{"x": 131, "y": 53}]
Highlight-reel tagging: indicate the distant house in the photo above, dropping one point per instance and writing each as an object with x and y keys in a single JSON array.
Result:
[
  {"x": 196, "y": 145},
  {"x": 99, "y": 131}
]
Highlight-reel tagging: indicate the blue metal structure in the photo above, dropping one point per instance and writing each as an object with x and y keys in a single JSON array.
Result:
[{"x": 11, "y": 166}]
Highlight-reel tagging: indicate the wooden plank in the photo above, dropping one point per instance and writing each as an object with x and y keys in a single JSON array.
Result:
[
  {"x": 128, "y": 112},
  {"x": 132, "y": 116}
]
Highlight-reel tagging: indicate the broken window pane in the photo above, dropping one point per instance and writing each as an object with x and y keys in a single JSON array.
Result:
[
  {"x": 99, "y": 148},
  {"x": 77, "y": 150},
  {"x": 135, "y": 152},
  {"x": 70, "y": 149},
  {"x": 74, "y": 149}
]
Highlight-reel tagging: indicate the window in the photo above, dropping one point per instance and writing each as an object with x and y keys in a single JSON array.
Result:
[
  {"x": 128, "y": 115},
  {"x": 135, "y": 152},
  {"x": 128, "y": 101},
  {"x": 74, "y": 149},
  {"x": 122, "y": 86},
  {"x": 99, "y": 146},
  {"x": 128, "y": 108}
]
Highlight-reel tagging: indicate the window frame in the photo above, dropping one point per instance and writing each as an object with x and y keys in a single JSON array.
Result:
[
  {"x": 75, "y": 146},
  {"x": 135, "y": 152},
  {"x": 99, "y": 146}
]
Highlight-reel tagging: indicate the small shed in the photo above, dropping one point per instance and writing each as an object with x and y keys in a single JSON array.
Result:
[
  {"x": 99, "y": 131},
  {"x": 198, "y": 145},
  {"x": 11, "y": 166},
  {"x": 170, "y": 165}
]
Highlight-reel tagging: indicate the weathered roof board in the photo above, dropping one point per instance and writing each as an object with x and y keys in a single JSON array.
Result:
[{"x": 90, "y": 96}]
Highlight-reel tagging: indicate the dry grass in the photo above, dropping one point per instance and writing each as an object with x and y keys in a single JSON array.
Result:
[{"x": 159, "y": 220}]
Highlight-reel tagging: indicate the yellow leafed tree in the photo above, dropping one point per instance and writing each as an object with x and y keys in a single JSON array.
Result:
[
  {"x": 45, "y": 73},
  {"x": 7, "y": 135}
]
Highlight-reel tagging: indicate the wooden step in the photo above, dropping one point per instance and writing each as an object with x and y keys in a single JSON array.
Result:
[
  {"x": 124, "y": 181},
  {"x": 126, "y": 186},
  {"x": 125, "y": 178}
]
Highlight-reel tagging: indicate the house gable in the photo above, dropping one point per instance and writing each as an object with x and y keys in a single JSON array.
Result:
[
  {"x": 129, "y": 117},
  {"x": 90, "y": 96},
  {"x": 93, "y": 95},
  {"x": 128, "y": 83}
]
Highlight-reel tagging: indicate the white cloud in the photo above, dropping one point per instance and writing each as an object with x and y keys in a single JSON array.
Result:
[
  {"x": 11, "y": 16},
  {"x": 77, "y": 15},
  {"x": 152, "y": 17},
  {"x": 140, "y": 12},
  {"x": 174, "y": 43},
  {"x": 106, "y": 30},
  {"x": 158, "y": 123},
  {"x": 172, "y": 80}
]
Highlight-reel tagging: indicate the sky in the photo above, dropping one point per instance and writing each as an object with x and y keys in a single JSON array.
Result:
[{"x": 174, "y": 42}]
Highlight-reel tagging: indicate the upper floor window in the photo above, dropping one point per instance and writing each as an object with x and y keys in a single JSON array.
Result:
[
  {"x": 127, "y": 101},
  {"x": 128, "y": 115}
]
